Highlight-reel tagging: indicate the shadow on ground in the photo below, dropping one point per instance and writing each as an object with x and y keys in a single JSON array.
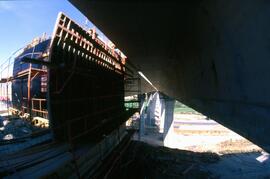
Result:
[{"x": 145, "y": 161}]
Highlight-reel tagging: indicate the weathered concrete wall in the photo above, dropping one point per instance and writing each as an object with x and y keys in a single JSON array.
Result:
[
  {"x": 212, "y": 55},
  {"x": 229, "y": 77}
]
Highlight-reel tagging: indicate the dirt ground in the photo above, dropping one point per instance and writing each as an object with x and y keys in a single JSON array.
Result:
[
  {"x": 195, "y": 147},
  {"x": 143, "y": 161},
  {"x": 199, "y": 134}
]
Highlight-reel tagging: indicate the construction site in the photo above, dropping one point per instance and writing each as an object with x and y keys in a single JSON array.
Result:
[{"x": 175, "y": 92}]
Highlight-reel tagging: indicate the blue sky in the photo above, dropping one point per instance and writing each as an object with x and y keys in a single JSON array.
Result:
[{"x": 23, "y": 20}]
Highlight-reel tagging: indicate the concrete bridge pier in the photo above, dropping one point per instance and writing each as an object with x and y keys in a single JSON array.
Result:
[
  {"x": 168, "y": 124},
  {"x": 156, "y": 120}
]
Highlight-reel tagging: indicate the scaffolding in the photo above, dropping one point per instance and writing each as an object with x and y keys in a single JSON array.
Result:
[
  {"x": 5, "y": 89},
  {"x": 31, "y": 106},
  {"x": 132, "y": 92}
]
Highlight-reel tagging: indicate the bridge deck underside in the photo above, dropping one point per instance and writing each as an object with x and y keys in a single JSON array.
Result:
[{"x": 211, "y": 55}]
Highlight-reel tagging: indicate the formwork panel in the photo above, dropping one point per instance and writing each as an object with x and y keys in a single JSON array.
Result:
[{"x": 86, "y": 84}]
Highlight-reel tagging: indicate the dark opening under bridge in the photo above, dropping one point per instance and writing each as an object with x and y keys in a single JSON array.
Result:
[{"x": 211, "y": 55}]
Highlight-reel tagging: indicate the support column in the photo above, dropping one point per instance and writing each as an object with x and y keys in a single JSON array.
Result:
[
  {"x": 168, "y": 123},
  {"x": 142, "y": 120},
  {"x": 162, "y": 116},
  {"x": 29, "y": 89}
]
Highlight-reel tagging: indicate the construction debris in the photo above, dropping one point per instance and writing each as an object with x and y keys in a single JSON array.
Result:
[{"x": 14, "y": 127}]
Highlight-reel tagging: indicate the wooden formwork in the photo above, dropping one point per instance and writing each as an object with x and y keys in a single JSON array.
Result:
[{"x": 86, "y": 83}]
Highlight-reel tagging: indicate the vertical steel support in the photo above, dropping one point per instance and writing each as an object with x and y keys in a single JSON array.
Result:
[
  {"x": 29, "y": 88},
  {"x": 29, "y": 84},
  {"x": 7, "y": 95}
]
